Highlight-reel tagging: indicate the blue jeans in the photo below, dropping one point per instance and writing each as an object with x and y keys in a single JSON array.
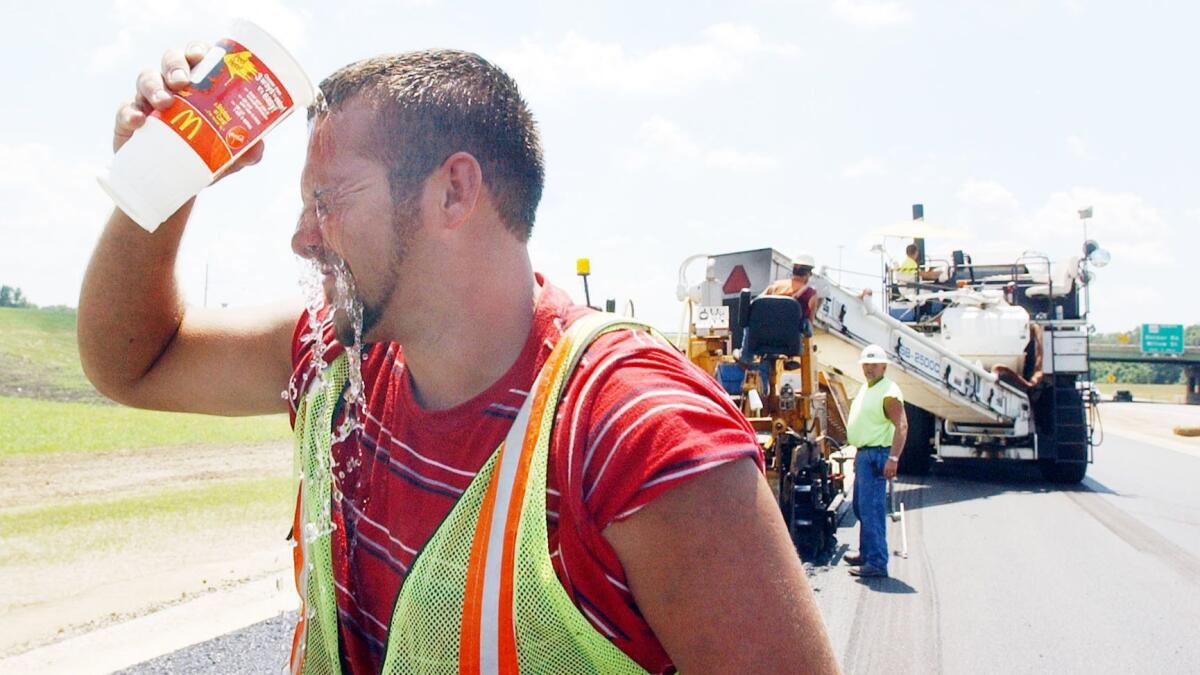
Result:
[{"x": 870, "y": 505}]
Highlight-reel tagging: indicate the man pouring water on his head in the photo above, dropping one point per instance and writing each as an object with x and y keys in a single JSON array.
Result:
[{"x": 487, "y": 483}]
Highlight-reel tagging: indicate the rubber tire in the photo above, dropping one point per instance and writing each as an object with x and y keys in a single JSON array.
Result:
[
  {"x": 918, "y": 445},
  {"x": 1064, "y": 473}
]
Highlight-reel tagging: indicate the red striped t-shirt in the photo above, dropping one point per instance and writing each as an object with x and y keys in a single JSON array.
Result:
[{"x": 635, "y": 420}]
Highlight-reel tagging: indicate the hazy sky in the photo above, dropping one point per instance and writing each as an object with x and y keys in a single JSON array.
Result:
[{"x": 678, "y": 128}]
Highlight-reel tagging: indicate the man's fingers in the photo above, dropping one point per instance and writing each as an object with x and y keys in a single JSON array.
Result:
[
  {"x": 151, "y": 90},
  {"x": 254, "y": 155},
  {"x": 129, "y": 119},
  {"x": 175, "y": 69},
  {"x": 155, "y": 89},
  {"x": 195, "y": 51}
]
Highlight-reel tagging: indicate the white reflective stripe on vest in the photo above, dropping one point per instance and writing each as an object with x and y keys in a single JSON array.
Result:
[{"x": 510, "y": 459}]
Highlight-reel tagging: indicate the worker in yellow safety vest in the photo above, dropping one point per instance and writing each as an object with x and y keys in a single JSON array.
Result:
[
  {"x": 878, "y": 427},
  {"x": 910, "y": 266}
]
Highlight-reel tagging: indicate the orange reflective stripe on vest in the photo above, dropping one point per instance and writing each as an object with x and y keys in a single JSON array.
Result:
[{"x": 492, "y": 545}]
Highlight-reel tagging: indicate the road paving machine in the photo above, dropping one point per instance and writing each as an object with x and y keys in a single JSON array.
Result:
[{"x": 990, "y": 357}]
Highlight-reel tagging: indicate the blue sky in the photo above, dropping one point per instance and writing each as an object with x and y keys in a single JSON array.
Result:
[{"x": 680, "y": 128}]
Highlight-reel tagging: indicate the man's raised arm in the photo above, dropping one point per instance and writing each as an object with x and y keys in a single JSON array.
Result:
[{"x": 138, "y": 343}]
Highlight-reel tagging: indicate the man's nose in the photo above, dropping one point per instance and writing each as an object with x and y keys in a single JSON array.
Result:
[{"x": 306, "y": 241}]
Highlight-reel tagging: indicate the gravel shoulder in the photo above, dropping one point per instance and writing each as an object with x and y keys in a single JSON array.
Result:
[
  {"x": 1152, "y": 423},
  {"x": 52, "y": 590}
]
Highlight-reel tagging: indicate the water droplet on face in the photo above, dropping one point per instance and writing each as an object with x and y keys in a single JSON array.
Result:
[{"x": 322, "y": 311}]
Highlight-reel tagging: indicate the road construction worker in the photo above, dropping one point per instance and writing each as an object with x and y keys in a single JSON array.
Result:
[
  {"x": 800, "y": 286},
  {"x": 877, "y": 426},
  {"x": 910, "y": 266},
  {"x": 459, "y": 527}
]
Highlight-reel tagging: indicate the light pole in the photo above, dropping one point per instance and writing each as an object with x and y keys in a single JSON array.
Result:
[
  {"x": 1093, "y": 256},
  {"x": 878, "y": 248}
]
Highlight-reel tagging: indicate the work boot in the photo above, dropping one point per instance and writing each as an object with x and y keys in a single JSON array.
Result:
[
  {"x": 867, "y": 571},
  {"x": 852, "y": 559}
]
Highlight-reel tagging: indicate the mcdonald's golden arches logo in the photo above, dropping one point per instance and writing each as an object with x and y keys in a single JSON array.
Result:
[{"x": 187, "y": 118}]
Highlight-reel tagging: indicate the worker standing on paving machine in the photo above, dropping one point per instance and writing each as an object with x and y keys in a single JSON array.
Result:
[
  {"x": 877, "y": 426},
  {"x": 468, "y": 524},
  {"x": 800, "y": 286}
]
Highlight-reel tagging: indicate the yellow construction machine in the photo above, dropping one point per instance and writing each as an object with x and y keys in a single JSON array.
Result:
[{"x": 760, "y": 350}]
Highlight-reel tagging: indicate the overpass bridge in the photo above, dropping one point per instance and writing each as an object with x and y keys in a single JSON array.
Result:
[{"x": 1129, "y": 353}]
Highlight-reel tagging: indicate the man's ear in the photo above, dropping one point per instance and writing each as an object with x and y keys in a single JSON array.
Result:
[{"x": 460, "y": 182}]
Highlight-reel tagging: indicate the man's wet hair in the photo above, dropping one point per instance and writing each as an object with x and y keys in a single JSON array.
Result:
[{"x": 431, "y": 104}]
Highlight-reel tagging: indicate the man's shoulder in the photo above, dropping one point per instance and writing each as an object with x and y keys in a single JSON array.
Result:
[
  {"x": 638, "y": 349},
  {"x": 637, "y": 419},
  {"x": 892, "y": 390},
  {"x": 628, "y": 362}
]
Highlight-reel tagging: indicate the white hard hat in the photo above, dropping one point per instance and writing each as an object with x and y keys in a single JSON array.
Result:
[
  {"x": 805, "y": 260},
  {"x": 873, "y": 354}
]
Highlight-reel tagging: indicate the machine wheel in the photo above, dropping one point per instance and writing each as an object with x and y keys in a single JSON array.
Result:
[
  {"x": 918, "y": 446},
  {"x": 1062, "y": 472},
  {"x": 805, "y": 493}
]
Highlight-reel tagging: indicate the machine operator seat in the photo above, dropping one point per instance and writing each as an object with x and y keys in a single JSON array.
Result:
[{"x": 773, "y": 327}]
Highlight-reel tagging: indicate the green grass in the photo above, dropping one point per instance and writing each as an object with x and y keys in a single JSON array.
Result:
[
  {"x": 67, "y": 531},
  {"x": 39, "y": 357},
  {"x": 48, "y": 405},
  {"x": 1167, "y": 393},
  {"x": 31, "y": 426}
]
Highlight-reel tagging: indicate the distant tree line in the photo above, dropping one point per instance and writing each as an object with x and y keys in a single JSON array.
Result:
[
  {"x": 11, "y": 296},
  {"x": 1141, "y": 373}
]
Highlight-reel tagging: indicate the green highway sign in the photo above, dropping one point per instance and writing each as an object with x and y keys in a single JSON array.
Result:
[{"x": 1162, "y": 338}]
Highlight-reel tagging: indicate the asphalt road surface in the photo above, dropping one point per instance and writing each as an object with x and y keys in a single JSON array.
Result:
[{"x": 1005, "y": 574}]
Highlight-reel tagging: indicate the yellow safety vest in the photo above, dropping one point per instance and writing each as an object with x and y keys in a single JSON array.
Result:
[
  {"x": 482, "y": 595},
  {"x": 868, "y": 425}
]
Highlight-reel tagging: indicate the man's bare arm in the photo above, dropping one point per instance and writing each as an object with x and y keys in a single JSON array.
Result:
[
  {"x": 138, "y": 343},
  {"x": 814, "y": 303},
  {"x": 710, "y": 564},
  {"x": 894, "y": 409}
]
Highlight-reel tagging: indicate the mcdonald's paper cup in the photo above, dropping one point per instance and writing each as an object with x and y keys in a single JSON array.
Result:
[{"x": 244, "y": 86}]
